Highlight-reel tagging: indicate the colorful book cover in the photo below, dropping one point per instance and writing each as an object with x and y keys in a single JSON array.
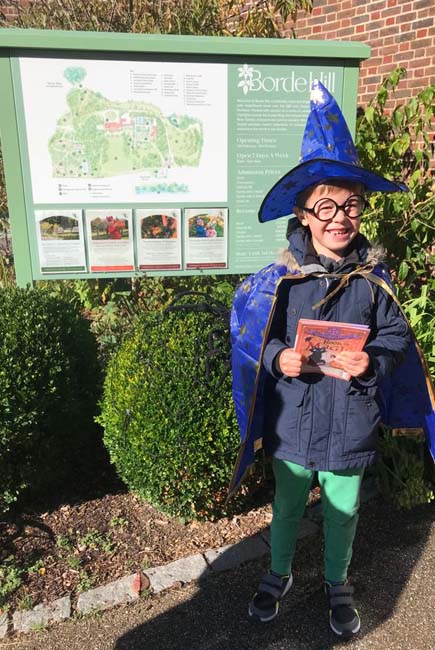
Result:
[{"x": 321, "y": 341}]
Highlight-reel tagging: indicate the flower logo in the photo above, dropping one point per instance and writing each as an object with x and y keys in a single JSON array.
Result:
[
  {"x": 317, "y": 96},
  {"x": 245, "y": 72}
]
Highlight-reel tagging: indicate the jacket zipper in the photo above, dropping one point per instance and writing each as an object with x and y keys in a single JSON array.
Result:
[{"x": 331, "y": 413}]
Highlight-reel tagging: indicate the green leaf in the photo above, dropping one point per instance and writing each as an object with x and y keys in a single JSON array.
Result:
[
  {"x": 382, "y": 97},
  {"x": 427, "y": 95},
  {"x": 397, "y": 117},
  {"x": 411, "y": 108},
  {"x": 403, "y": 270},
  {"x": 369, "y": 115}
]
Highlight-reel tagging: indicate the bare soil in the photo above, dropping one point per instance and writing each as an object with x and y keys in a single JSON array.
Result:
[{"x": 91, "y": 539}]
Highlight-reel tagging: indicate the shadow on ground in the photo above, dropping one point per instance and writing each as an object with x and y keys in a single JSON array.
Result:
[{"x": 387, "y": 549}]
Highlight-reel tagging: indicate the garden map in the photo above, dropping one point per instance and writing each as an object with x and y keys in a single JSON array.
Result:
[
  {"x": 101, "y": 138},
  {"x": 125, "y": 131}
]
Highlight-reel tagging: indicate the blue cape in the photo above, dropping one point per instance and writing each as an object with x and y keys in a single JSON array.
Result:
[{"x": 408, "y": 396}]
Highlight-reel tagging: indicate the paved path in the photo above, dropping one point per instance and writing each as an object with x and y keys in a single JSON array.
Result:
[{"x": 393, "y": 572}]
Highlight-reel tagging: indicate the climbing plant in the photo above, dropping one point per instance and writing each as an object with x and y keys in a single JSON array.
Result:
[{"x": 396, "y": 140}]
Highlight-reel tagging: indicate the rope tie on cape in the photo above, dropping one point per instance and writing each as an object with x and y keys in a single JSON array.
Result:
[{"x": 364, "y": 271}]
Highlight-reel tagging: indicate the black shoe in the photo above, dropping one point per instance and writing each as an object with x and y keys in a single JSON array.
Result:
[
  {"x": 343, "y": 616},
  {"x": 264, "y": 606}
]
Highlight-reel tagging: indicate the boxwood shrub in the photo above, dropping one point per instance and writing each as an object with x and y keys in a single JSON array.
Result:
[
  {"x": 167, "y": 413},
  {"x": 49, "y": 383}
]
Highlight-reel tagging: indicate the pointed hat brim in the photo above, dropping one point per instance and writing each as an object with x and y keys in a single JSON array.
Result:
[{"x": 281, "y": 199}]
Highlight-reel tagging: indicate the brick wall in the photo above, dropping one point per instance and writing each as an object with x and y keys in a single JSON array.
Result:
[
  {"x": 399, "y": 32},
  {"x": 9, "y": 9},
  {"x": 10, "y": 12}
]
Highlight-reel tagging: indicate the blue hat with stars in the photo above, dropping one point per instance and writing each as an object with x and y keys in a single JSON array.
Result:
[{"x": 327, "y": 154}]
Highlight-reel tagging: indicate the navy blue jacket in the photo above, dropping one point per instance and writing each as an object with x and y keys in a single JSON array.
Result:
[{"x": 317, "y": 421}]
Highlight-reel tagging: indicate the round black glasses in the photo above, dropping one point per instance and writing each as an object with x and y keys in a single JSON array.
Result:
[{"x": 326, "y": 209}]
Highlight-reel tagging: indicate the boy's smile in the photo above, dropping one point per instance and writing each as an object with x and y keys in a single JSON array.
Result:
[{"x": 332, "y": 237}]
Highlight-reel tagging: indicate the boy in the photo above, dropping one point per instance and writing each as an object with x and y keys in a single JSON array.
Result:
[{"x": 308, "y": 422}]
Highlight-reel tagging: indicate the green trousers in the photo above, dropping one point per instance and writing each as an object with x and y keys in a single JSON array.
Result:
[{"x": 340, "y": 503}]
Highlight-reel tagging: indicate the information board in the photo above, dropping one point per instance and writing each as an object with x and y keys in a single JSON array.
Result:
[{"x": 144, "y": 154}]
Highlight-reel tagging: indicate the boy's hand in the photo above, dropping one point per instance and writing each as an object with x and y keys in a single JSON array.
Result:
[
  {"x": 355, "y": 363},
  {"x": 290, "y": 362}
]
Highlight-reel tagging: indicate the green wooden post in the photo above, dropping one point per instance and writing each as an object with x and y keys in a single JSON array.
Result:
[{"x": 13, "y": 177}]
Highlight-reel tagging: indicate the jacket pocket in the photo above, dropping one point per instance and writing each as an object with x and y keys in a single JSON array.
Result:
[
  {"x": 362, "y": 422},
  {"x": 283, "y": 413}
]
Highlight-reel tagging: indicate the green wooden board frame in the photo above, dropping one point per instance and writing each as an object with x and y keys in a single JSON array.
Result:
[{"x": 278, "y": 65}]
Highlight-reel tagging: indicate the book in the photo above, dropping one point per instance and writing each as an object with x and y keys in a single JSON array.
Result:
[{"x": 321, "y": 341}]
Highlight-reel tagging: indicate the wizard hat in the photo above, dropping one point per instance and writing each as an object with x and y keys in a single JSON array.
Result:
[{"x": 328, "y": 153}]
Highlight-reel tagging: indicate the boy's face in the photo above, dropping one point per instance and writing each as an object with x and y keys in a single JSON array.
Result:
[{"x": 332, "y": 237}]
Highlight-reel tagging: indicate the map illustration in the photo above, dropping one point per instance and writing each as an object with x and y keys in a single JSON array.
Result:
[{"x": 101, "y": 138}]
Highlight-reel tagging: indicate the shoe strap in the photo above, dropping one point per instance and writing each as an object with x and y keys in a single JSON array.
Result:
[
  {"x": 340, "y": 595},
  {"x": 273, "y": 585}
]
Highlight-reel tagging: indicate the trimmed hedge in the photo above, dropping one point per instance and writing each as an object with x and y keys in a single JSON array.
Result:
[
  {"x": 49, "y": 387},
  {"x": 169, "y": 420}
]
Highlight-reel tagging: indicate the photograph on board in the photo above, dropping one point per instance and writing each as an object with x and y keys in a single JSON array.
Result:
[
  {"x": 206, "y": 238},
  {"x": 60, "y": 239},
  {"x": 158, "y": 239},
  {"x": 110, "y": 227},
  {"x": 110, "y": 240}
]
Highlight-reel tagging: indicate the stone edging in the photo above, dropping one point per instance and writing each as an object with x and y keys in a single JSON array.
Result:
[{"x": 130, "y": 587}]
